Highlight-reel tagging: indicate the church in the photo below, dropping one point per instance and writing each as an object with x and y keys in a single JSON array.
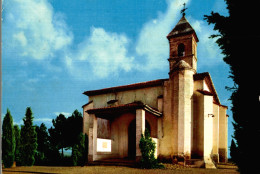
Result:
[{"x": 182, "y": 113}]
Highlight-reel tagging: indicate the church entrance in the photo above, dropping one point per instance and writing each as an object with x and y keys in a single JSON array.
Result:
[
  {"x": 132, "y": 137},
  {"x": 132, "y": 140}
]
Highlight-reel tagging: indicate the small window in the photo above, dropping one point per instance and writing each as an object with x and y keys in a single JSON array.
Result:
[
  {"x": 181, "y": 50},
  {"x": 112, "y": 103}
]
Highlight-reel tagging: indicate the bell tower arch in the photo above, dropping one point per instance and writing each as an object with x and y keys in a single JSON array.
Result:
[{"x": 183, "y": 44}]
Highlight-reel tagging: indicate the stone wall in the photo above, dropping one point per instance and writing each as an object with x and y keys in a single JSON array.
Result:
[
  {"x": 148, "y": 96},
  {"x": 223, "y": 130}
]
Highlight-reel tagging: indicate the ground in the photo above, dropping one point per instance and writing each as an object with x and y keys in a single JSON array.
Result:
[{"x": 118, "y": 169}]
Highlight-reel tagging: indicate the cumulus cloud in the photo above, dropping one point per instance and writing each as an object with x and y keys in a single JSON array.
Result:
[
  {"x": 152, "y": 43},
  {"x": 208, "y": 51},
  {"x": 66, "y": 114},
  {"x": 44, "y": 120},
  {"x": 101, "y": 55},
  {"x": 153, "y": 46},
  {"x": 32, "y": 29}
]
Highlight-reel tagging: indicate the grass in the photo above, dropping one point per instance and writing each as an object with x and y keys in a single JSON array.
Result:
[{"x": 114, "y": 170}]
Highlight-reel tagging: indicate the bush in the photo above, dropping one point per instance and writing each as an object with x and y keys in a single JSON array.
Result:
[{"x": 147, "y": 147}]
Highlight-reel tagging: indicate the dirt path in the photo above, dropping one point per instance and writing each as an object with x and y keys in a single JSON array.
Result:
[{"x": 111, "y": 170}]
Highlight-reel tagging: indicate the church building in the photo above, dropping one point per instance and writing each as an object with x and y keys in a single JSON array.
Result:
[{"x": 182, "y": 113}]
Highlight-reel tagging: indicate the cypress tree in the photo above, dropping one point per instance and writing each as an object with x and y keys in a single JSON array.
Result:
[
  {"x": 239, "y": 43},
  {"x": 28, "y": 139},
  {"x": 233, "y": 152},
  {"x": 8, "y": 140},
  {"x": 75, "y": 154},
  {"x": 17, "y": 133}
]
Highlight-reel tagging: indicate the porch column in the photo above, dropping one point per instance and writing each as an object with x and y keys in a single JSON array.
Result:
[
  {"x": 92, "y": 144},
  {"x": 140, "y": 128}
]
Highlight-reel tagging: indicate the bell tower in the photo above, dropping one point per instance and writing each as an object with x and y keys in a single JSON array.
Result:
[
  {"x": 183, "y": 65},
  {"x": 183, "y": 45}
]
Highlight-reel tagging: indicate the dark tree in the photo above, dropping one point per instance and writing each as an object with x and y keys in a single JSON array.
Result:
[
  {"x": 239, "y": 41},
  {"x": 17, "y": 133},
  {"x": 43, "y": 144},
  {"x": 233, "y": 152},
  {"x": 79, "y": 151},
  {"x": 74, "y": 125},
  {"x": 28, "y": 139},
  {"x": 57, "y": 133},
  {"x": 8, "y": 140}
]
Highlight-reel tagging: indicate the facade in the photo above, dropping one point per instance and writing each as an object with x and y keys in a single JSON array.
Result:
[{"x": 183, "y": 113}]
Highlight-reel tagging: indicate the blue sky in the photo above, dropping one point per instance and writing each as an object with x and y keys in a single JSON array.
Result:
[{"x": 54, "y": 50}]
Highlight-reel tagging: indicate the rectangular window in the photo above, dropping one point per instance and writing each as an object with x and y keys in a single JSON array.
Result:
[{"x": 103, "y": 145}]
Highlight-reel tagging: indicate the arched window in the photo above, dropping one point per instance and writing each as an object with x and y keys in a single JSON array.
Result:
[{"x": 181, "y": 50}]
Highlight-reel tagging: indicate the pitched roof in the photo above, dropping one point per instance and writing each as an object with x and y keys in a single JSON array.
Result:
[
  {"x": 183, "y": 27},
  {"x": 206, "y": 76},
  {"x": 106, "y": 111},
  {"x": 141, "y": 85}
]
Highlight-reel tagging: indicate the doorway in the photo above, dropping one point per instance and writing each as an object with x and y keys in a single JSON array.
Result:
[
  {"x": 132, "y": 140},
  {"x": 132, "y": 137}
]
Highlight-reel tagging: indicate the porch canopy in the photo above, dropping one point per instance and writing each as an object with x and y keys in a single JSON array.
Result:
[
  {"x": 111, "y": 112},
  {"x": 120, "y": 141}
]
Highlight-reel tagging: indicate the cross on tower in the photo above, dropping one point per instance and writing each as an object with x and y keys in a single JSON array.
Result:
[{"x": 183, "y": 10}]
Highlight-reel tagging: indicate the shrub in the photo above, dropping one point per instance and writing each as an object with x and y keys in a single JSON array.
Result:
[{"x": 147, "y": 147}]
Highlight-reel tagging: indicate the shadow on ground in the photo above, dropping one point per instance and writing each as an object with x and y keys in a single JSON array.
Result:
[{"x": 17, "y": 171}]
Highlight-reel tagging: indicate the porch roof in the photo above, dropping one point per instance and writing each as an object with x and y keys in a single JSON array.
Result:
[{"x": 123, "y": 108}]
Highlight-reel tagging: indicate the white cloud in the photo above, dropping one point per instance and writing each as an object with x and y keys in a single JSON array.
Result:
[
  {"x": 154, "y": 47},
  {"x": 45, "y": 120},
  {"x": 66, "y": 114},
  {"x": 100, "y": 55},
  {"x": 36, "y": 31},
  {"x": 18, "y": 123},
  {"x": 21, "y": 38},
  {"x": 31, "y": 28},
  {"x": 152, "y": 43},
  {"x": 208, "y": 51}
]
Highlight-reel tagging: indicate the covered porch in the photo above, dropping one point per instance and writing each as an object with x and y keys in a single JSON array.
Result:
[{"x": 115, "y": 131}]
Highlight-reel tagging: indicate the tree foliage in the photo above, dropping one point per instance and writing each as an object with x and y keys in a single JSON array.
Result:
[
  {"x": 43, "y": 145},
  {"x": 17, "y": 134},
  {"x": 79, "y": 151},
  {"x": 28, "y": 139},
  {"x": 66, "y": 134},
  {"x": 239, "y": 42},
  {"x": 8, "y": 140},
  {"x": 233, "y": 149},
  {"x": 147, "y": 147},
  {"x": 73, "y": 129},
  {"x": 57, "y": 133}
]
